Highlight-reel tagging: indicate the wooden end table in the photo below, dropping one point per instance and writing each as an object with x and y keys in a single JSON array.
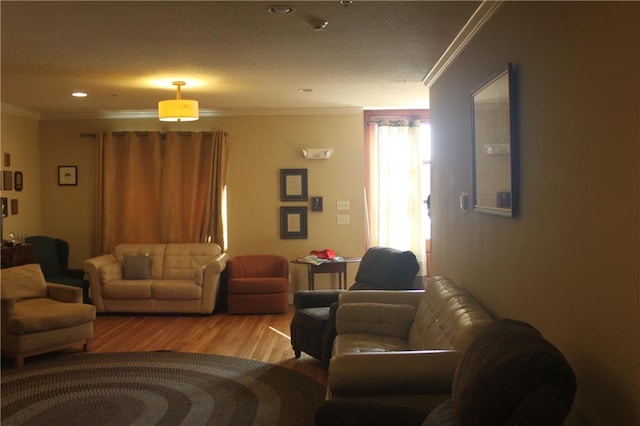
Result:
[{"x": 332, "y": 267}]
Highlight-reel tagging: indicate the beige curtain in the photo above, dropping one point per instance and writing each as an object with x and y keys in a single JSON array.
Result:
[
  {"x": 395, "y": 197},
  {"x": 155, "y": 188}
]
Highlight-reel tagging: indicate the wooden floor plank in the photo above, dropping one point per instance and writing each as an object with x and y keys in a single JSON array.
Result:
[{"x": 258, "y": 337}]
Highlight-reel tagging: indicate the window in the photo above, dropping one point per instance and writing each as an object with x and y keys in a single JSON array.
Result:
[{"x": 398, "y": 162}]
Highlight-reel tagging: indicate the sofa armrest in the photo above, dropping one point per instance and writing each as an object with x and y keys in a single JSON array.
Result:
[
  {"x": 64, "y": 293},
  {"x": 304, "y": 299},
  {"x": 8, "y": 307},
  {"x": 392, "y": 373},
  {"x": 91, "y": 267},
  {"x": 211, "y": 282},
  {"x": 217, "y": 265}
]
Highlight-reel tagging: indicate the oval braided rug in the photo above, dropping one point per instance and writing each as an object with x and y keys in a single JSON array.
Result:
[{"x": 157, "y": 388}]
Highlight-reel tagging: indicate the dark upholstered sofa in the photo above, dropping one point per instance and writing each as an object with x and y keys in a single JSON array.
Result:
[
  {"x": 509, "y": 375},
  {"x": 313, "y": 323}
]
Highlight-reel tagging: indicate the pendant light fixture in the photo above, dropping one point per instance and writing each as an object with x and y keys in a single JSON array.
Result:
[{"x": 178, "y": 109}]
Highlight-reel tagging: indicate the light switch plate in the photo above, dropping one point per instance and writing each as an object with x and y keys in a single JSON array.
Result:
[
  {"x": 343, "y": 205},
  {"x": 343, "y": 219}
]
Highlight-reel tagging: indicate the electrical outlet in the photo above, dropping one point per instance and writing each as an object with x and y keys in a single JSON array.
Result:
[{"x": 343, "y": 219}]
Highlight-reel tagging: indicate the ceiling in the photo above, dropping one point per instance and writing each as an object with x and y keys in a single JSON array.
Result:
[{"x": 233, "y": 55}]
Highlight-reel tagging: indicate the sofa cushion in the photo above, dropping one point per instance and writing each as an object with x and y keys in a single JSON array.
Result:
[
  {"x": 447, "y": 317},
  {"x": 375, "y": 318},
  {"x": 42, "y": 314},
  {"x": 176, "y": 290},
  {"x": 23, "y": 282},
  {"x": 186, "y": 261},
  {"x": 127, "y": 289},
  {"x": 359, "y": 342},
  {"x": 136, "y": 267}
]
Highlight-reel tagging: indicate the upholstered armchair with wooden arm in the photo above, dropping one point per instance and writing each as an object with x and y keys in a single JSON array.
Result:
[{"x": 39, "y": 317}]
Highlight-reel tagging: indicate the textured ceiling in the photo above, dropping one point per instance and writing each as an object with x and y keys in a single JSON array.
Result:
[{"x": 233, "y": 55}]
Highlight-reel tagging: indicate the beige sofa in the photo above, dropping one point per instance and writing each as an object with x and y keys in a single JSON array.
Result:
[
  {"x": 147, "y": 278},
  {"x": 402, "y": 347}
]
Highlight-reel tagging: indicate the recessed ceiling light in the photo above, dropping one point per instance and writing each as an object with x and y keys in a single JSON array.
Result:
[
  {"x": 281, "y": 9},
  {"x": 79, "y": 95},
  {"x": 305, "y": 90}
]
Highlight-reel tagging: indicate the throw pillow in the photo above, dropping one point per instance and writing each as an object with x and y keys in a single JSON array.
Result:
[{"x": 137, "y": 267}]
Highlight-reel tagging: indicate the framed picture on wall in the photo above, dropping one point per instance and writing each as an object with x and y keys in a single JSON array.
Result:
[
  {"x": 495, "y": 149},
  {"x": 67, "y": 175},
  {"x": 7, "y": 180},
  {"x": 293, "y": 222},
  {"x": 293, "y": 184}
]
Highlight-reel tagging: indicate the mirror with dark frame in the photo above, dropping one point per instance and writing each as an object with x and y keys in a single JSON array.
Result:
[{"x": 495, "y": 165}]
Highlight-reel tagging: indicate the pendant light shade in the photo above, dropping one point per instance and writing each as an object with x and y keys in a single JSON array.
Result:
[{"x": 178, "y": 109}]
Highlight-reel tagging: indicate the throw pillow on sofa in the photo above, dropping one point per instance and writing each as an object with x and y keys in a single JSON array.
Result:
[{"x": 136, "y": 267}]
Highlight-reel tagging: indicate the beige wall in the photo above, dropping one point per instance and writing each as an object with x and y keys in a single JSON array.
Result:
[
  {"x": 259, "y": 147},
  {"x": 569, "y": 263},
  {"x": 19, "y": 138}
]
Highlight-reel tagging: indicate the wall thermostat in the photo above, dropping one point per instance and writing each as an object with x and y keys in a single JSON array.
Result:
[{"x": 464, "y": 202}]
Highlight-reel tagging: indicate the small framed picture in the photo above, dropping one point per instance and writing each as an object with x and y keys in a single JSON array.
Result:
[
  {"x": 14, "y": 206},
  {"x": 67, "y": 175},
  {"x": 7, "y": 180},
  {"x": 316, "y": 204},
  {"x": 17, "y": 181},
  {"x": 293, "y": 222},
  {"x": 5, "y": 207},
  {"x": 293, "y": 184}
]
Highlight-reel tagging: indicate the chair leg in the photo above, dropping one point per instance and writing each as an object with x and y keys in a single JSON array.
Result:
[
  {"x": 297, "y": 353},
  {"x": 87, "y": 345},
  {"x": 18, "y": 360}
]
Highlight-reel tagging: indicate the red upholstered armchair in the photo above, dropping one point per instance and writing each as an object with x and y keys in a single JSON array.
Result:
[{"x": 258, "y": 284}]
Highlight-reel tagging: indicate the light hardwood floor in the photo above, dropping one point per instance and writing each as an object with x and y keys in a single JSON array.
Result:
[{"x": 258, "y": 337}]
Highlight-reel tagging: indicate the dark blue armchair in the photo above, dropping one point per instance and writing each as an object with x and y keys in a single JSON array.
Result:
[{"x": 53, "y": 256}]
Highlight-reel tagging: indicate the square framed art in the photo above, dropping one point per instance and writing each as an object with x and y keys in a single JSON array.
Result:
[
  {"x": 293, "y": 185},
  {"x": 67, "y": 175},
  {"x": 293, "y": 222}
]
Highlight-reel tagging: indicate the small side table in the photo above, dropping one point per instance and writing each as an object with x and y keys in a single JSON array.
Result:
[{"x": 333, "y": 267}]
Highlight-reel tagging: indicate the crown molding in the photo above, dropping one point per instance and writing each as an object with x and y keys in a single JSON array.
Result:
[
  {"x": 19, "y": 111},
  {"x": 480, "y": 17}
]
